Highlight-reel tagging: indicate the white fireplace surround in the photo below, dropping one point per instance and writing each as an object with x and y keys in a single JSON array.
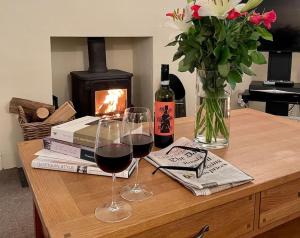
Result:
[{"x": 25, "y": 48}]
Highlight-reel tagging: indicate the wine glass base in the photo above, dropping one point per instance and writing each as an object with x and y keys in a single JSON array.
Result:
[
  {"x": 118, "y": 213},
  {"x": 136, "y": 193}
]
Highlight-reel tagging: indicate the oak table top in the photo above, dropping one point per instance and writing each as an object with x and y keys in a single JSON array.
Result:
[{"x": 264, "y": 146}]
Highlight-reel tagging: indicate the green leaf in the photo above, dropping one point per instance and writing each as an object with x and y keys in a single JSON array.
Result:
[
  {"x": 217, "y": 51},
  {"x": 233, "y": 78},
  {"x": 182, "y": 67},
  {"x": 225, "y": 55},
  {"x": 222, "y": 33},
  {"x": 243, "y": 51},
  {"x": 247, "y": 70},
  {"x": 258, "y": 58},
  {"x": 210, "y": 47},
  {"x": 177, "y": 37},
  {"x": 178, "y": 55},
  {"x": 251, "y": 4},
  {"x": 194, "y": 44},
  {"x": 251, "y": 44},
  {"x": 224, "y": 69},
  {"x": 247, "y": 60},
  {"x": 232, "y": 84},
  {"x": 173, "y": 43},
  {"x": 254, "y": 36},
  {"x": 190, "y": 57},
  {"x": 200, "y": 39},
  {"x": 264, "y": 33},
  {"x": 233, "y": 44}
]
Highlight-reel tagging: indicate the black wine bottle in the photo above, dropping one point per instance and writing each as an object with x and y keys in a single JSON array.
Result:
[{"x": 164, "y": 111}]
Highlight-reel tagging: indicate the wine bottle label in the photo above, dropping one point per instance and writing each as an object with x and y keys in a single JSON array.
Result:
[{"x": 164, "y": 118}]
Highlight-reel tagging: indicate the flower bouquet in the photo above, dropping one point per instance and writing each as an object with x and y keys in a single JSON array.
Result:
[{"x": 219, "y": 39}]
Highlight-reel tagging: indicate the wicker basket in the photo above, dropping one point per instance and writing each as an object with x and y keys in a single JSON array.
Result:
[{"x": 36, "y": 130}]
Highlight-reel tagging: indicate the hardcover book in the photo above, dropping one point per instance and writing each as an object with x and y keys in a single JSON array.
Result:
[
  {"x": 81, "y": 131},
  {"x": 67, "y": 148}
]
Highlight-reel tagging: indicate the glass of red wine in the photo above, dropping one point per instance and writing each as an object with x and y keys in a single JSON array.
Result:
[
  {"x": 138, "y": 119},
  {"x": 113, "y": 154}
]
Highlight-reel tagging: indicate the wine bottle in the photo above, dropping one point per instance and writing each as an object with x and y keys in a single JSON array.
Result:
[{"x": 164, "y": 111}]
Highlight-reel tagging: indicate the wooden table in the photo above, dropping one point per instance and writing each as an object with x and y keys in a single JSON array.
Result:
[{"x": 262, "y": 145}]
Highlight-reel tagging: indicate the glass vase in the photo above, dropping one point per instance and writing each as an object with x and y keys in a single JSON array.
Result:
[{"x": 212, "y": 110}]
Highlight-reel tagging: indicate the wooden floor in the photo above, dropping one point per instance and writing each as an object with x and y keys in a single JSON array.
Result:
[{"x": 292, "y": 227}]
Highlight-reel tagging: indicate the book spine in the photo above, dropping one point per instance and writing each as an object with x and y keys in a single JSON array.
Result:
[
  {"x": 39, "y": 164},
  {"x": 66, "y": 131},
  {"x": 67, "y": 149},
  {"x": 84, "y": 140},
  {"x": 60, "y": 134}
]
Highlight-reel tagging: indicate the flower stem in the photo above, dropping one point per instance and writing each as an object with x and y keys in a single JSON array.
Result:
[{"x": 210, "y": 119}]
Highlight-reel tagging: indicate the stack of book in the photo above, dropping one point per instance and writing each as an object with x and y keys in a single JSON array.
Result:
[{"x": 70, "y": 148}]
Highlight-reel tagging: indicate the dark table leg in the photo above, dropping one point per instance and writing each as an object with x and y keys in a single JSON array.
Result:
[
  {"x": 277, "y": 108},
  {"x": 37, "y": 223},
  {"x": 22, "y": 178}
]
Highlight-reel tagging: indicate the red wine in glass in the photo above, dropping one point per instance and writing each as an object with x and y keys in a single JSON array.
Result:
[
  {"x": 113, "y": 155},
  {"x": 141, "y": 144},
  {"x": 113, "y": 158},
  {"x": 139, "y": 120}
]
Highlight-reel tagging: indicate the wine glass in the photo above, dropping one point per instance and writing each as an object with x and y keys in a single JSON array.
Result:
[
  {"x": 113, "y": 154},
  {"x": 138, "y": 119}
]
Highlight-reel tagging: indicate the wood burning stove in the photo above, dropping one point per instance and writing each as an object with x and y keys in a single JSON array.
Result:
[{"x": 99, "y": 91}]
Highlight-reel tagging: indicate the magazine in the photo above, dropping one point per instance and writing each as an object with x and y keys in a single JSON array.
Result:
[{"x": 218, "y": 174}]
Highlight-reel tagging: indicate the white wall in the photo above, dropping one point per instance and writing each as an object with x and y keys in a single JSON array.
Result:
[
  {"x": 25, "y": 64},
  {"x": 25, "y": 49},
  {"x": 143, "y": 72}
]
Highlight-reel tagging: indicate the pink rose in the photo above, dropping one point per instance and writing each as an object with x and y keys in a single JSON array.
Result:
[
  {"x": 269, "y": 18},
  {"x": 233, "y": 14},
  {"x": 255, "y": 18},
  {"x": 195, "y": 9}
]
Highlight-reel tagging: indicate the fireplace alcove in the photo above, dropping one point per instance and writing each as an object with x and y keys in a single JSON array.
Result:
[
  {"x": 100, "y": 91},
  {"x": 132, "y": 57}
]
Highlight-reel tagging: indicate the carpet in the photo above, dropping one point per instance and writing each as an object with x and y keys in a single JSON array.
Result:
[{"x": 16, "y": 214}]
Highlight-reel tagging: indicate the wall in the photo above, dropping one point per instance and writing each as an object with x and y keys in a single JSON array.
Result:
[
  {"x": 26, "y": 28},
  {"x": 143, "y": 72}
]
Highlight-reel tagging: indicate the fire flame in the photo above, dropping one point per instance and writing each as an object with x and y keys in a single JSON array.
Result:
[{"x": 111, "y": 100}]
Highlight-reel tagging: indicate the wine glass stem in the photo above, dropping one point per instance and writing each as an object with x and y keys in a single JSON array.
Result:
[
  {"x": 113, "y": 205},
  {"x": 136, "y": 185}
]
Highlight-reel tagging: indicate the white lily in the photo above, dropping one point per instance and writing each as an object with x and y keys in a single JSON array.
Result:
[
  {"x": 218, "y": 8},
  {"x": 180, "y": 22}
]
